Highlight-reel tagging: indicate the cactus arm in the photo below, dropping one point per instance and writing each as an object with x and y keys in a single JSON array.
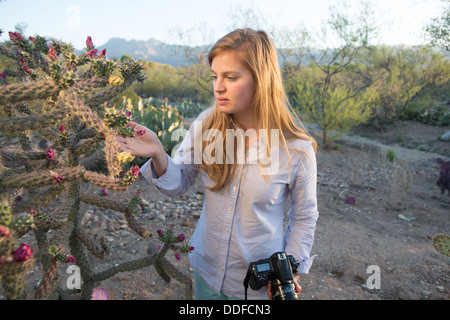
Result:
[
  {"x": 126, "y": 266},
  {"x": 13, "y": 125},
  {"x": 27, "y": 91},
  {"x": 41, "y": 178}
]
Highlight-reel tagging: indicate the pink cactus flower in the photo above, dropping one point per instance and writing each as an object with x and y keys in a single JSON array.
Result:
[
  {"x": 26, "y": 69},
  {"x": 70, "y": 259},
  {"x": 52, "y": 54},
  {"x": 92, "y": 53},
  {"x": 22, "y": 60},
  {"x": 103, "y": 53},
  {"x": 23, "y": 253},
  {"x": 15, "y": 36},
  {"x": 181, "y": 237},
  {"x": 104, "y": 192},
  {"x": 178, "y": 256},
  {"x": 32, "y": 39},
  {"x": 89, "y": 43},
  {"x": 62, "y": 129},
  {"x": 51, "y": 154},
  {"x": 160, "y": 232},
  {"x": 135, "y": 170}
]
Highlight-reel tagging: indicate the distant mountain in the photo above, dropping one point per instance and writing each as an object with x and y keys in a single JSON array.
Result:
[{"x": 151, "y": 50}]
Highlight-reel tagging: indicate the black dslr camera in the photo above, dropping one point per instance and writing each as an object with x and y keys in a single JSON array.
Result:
[{"x": 279, "y": 268}]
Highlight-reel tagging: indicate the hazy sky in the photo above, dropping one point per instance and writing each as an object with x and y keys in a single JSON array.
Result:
[{"x": 73, "y": 21}]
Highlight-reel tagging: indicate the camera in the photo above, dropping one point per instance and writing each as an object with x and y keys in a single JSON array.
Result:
[{"x": 278, "y": 268}]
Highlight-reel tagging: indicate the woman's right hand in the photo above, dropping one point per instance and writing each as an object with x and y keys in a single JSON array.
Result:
[{"x": 146, "y": 145}]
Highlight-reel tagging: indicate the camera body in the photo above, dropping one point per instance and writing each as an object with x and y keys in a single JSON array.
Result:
[{"x": 279, "y": 268}]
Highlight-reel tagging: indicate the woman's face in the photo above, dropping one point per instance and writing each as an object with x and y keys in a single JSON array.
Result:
[{"x": 234, "y": 87}]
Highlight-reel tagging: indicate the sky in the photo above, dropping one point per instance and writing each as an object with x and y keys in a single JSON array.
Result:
[{"x": 72, "y": 21}]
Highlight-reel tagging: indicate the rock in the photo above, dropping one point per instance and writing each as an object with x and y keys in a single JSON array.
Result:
[
  {"x": 143, "y": 202},
  {"x": 161, "y": 217},
  {"x": 187, "y": 224},
  {"x": 446, "y": 136}
]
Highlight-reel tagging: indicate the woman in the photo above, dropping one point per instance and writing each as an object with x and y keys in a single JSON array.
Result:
[{"x": 242, "y": 216}]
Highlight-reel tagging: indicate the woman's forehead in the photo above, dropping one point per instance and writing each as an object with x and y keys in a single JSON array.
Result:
[{"x": 227, "y": 62}]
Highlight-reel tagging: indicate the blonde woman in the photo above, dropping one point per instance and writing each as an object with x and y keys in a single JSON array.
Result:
[{"x": 252, "y": 157}]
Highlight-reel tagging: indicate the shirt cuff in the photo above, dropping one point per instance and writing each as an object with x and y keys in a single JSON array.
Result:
[
  {"x": 166, "y": 180},
  {"x": 305, "y": 265}
]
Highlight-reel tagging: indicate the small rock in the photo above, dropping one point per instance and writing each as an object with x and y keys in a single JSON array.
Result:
[
  {"x": 402, "y": 217},
  {"x": 187, "y": 224},
  {"x": 195, "y": 214},
  {"x": 446, "y": 136},
  {"x": 143, "y": 202},
  {"x": 161, "y": 217}
]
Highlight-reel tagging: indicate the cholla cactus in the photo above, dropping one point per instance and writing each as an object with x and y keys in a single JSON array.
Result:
[{"x": 57, "y": 96}]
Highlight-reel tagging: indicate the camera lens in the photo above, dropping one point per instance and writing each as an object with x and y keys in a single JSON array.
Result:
[{"x": 284, "y": 292}]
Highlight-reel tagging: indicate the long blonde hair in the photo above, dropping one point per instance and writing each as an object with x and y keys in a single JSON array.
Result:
[{"x": 257, "y": 53}]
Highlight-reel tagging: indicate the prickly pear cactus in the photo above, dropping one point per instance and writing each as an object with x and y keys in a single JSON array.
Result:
[
  {"x": 58, "y": 100},
  {"x": 442, "y": 244}
]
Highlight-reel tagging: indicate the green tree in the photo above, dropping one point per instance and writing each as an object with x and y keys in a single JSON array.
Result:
[{"x": 333, "y": 102}]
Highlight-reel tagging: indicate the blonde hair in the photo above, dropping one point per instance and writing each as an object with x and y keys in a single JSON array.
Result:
[{"x": 272, "y": 110}]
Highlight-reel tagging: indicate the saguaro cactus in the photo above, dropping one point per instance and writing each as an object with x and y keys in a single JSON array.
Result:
[{"x": 58, "y": 97}]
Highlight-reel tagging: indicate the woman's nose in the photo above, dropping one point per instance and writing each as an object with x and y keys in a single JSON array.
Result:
[{"x": 219, "y": 86}]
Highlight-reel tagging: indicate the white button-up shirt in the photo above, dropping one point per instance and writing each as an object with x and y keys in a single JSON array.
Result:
[{"x": 243, "y": 222}]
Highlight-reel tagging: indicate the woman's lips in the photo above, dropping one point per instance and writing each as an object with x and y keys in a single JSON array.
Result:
[{"x": 222, "y": 101}]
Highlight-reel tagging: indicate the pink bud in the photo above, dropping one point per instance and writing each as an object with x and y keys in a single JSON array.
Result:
[
  {"x": 22, "y": 60},
  {"x": 160, "y": 232},
  {"x": 62, "y": 129},
  {"x": 51, "y": 154},
  {"x": 135, "y": 170},
  {"x": 104, "y": 192},
  {"x": 92, "y": 53},
  {"x": 52, "y": 54},
  {"x": 181, "y": 237},
  {"x": 26, "y": 69},
  {"x": 15, "y": 36},
  {"x": 32, "y": 39},
  {"x": 103, "y": 53},
  {"x": 23, "y": 253},
  {"x": 178, "y": 256},
  {"x": 70, "y": 259},
  {"x": 89, "y": 43}
]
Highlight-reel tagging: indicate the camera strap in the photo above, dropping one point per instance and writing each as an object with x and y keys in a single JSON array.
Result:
[{"x": 246, "y": 280}]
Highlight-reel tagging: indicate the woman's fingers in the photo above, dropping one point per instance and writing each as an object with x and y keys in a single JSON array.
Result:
[{"x": 121, "y": 139}]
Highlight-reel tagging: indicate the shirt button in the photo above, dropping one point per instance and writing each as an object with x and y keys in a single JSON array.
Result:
[{"x": 234, "y": 188}]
